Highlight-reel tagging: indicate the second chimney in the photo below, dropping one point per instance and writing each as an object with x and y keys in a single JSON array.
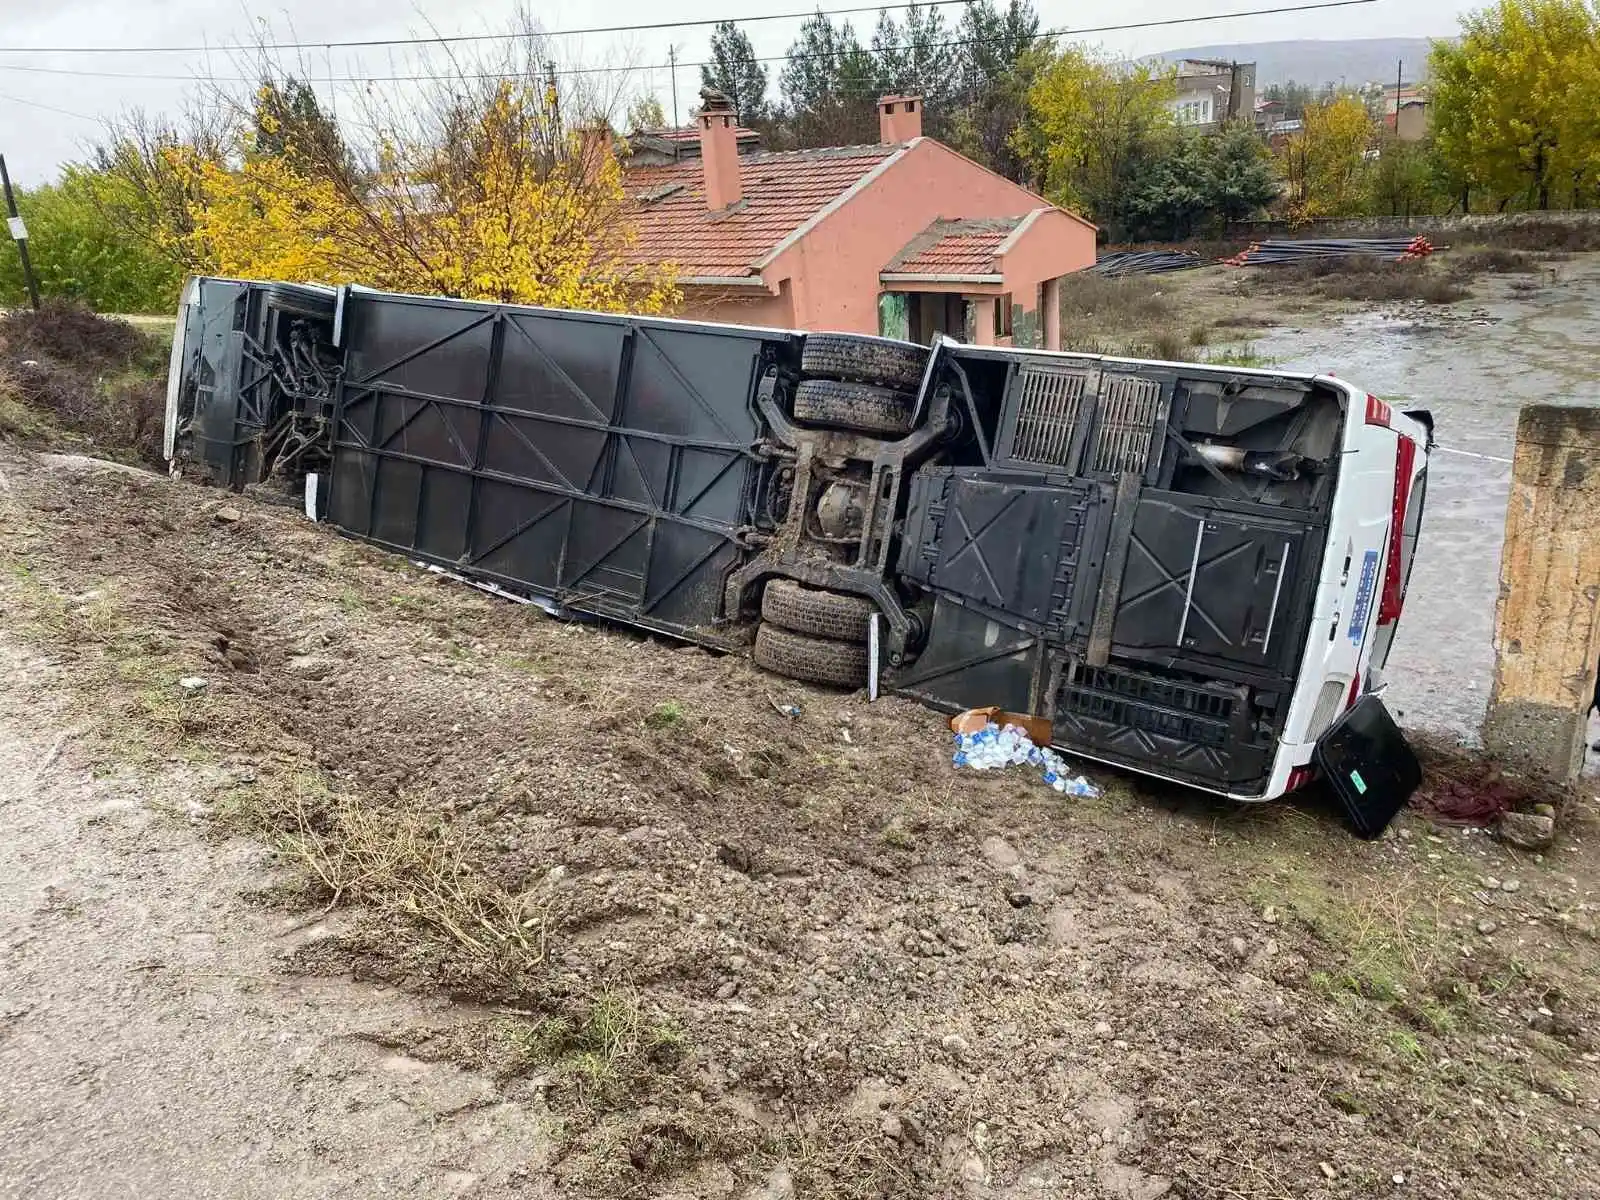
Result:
[
  {"x": 899, "y": 119},
  {"x": 719, "y": 153}
]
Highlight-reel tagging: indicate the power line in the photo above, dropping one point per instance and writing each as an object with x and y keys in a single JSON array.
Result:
[
  {"x": 770, "y": 58},
  {"x": 442, "y": 39},
  {"x": 49, "y": 108}
]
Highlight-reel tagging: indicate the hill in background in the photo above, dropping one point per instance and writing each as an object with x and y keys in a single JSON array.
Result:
[{"x": 1354, "y": 61}]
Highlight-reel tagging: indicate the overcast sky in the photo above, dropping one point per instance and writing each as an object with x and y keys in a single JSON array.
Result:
[{"x": 35, "y": 140}]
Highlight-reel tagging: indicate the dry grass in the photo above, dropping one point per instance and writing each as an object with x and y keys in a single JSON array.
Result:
[
  {"x": 1468, "y": 264},
  {"x": 401, "y": 860},
  {"x": 1102, "y": 302},
  {"x": 67, "y": 375},
  {"x": 1361, "y": 278}
]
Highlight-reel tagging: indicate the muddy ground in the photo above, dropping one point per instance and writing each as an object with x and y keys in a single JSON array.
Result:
[
  {"x": 326, "y": 877},
  {"x": 699, "y": 948}
]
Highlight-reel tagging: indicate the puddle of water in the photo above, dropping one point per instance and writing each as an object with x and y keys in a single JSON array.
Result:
[{"x": 1474, "y": 365}]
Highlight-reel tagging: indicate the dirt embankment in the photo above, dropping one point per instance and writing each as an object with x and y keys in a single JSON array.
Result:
[{"x": 727, "y": 952}]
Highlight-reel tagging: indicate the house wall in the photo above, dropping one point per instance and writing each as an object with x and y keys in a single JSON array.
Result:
[
  {"x": 834, "y": 269},
  {"x": 1052, "y": 246},
  {"x": 1413, "y": 124},
  {"x": 739, "y": 307}
]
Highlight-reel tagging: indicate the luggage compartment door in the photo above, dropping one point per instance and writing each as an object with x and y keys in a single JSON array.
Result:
[
  {"x": 1022, "y": 550},
  {"x": 1212, "y": 581}
]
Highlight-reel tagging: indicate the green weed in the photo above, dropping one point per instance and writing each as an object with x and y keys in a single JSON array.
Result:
[{"x": 666, "y": 715}]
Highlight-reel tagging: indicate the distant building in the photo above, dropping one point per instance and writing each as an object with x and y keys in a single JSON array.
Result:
[
  {"x": 1405, "y": 110},
  {"x": 1211, "y": 93}
]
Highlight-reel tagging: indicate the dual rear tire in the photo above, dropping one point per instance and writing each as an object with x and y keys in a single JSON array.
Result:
[
  {"x": 857, "y": 383},
  {"x": 812, "y": 634}
]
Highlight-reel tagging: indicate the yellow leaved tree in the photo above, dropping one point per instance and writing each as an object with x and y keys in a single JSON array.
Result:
[
  {"x": 1326, "y": 163},
  {"x": 479, "y": 184},
  {"x": 1514, "y": 102},
  {"x": 488, "y": 197},
  {"x": 1090, "y": 117}
]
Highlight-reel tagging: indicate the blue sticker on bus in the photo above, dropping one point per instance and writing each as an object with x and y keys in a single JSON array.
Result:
[{"x": 1358, "y": 615}]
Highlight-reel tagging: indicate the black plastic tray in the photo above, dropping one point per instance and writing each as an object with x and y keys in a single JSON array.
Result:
[{"x": 1369, "y": 766}]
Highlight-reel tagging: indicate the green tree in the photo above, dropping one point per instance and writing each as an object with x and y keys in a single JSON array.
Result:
[
  {"x": 829, "y": 86},
  {"x": 734, "y": 71},
  {"x": 1181, "y": 183},
  {"x": 1515, "y": 100},
  {"x": 645, "y": 112},
  {"x": 1165, "y": 189},
  {"x": 289, "y": 122},
  {"x": 1240, "y": 177},
  {"x": 915, "y": 57},
  {"x": 1001, "y": 57},
  {"x": 1293, "y": 96},
  {"x": 1403, "y": 180},
  {"x": 79, "y": 256}
]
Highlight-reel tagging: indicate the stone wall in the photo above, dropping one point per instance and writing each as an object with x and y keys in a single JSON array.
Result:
[
  {"x": 1547, "y": 621},
  {"x": 1437, "y": 228}
]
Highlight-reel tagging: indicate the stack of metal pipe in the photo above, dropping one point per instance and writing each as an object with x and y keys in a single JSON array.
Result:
[
  {"x": 1145, "y": 262},
  {"x": 1273, "y": 253}
]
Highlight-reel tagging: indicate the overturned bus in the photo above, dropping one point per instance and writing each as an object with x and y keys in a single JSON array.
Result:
[{"x": 1191, "y": 571}]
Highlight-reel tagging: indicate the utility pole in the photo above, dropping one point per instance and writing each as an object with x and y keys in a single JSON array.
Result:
[
  {"x": 19, "y": 233},
  {"x": 672, "y": 57}
]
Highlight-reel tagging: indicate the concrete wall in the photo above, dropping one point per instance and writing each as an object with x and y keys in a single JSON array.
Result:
[
  {"x": 1413, "y": 124},
  {"x": 1476, "y": 223},
  {"x": 834, "y": 269},
  {"x": 1547, "y": 621}
]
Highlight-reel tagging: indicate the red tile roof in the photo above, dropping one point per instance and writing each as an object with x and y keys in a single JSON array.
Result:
[
  {"x": 688, "y": 133},
  {"x": 955, "y": 248},
  {"x": 781, "y": 193}
]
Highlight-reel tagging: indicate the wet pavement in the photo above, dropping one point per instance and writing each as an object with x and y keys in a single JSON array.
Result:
[{"x": 1473, "y": 365}]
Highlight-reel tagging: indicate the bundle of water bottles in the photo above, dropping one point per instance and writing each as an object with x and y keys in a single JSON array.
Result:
[{"x": 995, "y": 747}]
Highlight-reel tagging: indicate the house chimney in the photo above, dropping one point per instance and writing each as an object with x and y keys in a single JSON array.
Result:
[
  {"x": 899, "y": 119},
  {"x": 719, "y": 150},
  {"x": 596, "y": 144}
]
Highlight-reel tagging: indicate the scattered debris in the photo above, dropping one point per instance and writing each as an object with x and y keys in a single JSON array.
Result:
[
  {"x": 193, "y": 684},
  {"x": 792, "y": 711},
  {"x": 995, "y": 747},
  {"x": 227, "y": 515}
]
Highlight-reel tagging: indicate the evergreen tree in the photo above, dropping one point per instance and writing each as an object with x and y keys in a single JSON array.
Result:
[
  {"x": 829, "y": 86},
  {"x": 1240, "y": 180},
  {"x": 735, "y": 73},
  {"x": 290, "y": 123},
  {"x": 997, "y": 65}
]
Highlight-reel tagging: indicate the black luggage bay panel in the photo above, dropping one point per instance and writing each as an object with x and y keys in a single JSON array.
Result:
[
  {"x": 1013, "y": 547},
  {"x": 602, "y": 462},
  {"x": 1204, "y": 580},
  {"x": 1369, "y": 766}
]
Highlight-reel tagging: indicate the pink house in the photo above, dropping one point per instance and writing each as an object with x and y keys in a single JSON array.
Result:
[{"x": 905, "y": 238}]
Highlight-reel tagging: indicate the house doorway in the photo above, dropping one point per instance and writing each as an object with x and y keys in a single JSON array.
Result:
[{"x": 919, "y": 316}]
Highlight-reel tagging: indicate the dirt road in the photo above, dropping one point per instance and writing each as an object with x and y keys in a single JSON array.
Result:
[
  {"x": 150, "y": 1043},
  {"x": 695, "y": 948}
]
